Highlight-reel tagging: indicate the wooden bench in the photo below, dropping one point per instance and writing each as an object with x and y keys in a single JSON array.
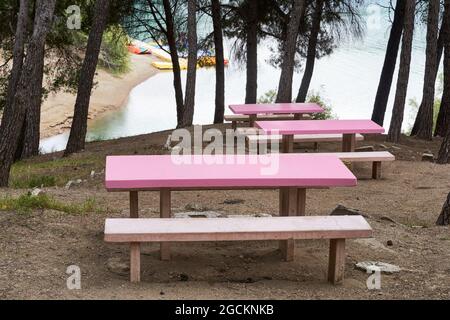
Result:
[
  {"x": 254, "y": 140},
  {"x": 376, "y": 157},
  {"x": 239, "y": 118},
  {"x": 335, "y": 228}
]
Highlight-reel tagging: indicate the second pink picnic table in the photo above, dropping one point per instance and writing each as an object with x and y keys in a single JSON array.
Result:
[
  {"x": 348, "y": 128},
  {"x": 297, "y": 109}
]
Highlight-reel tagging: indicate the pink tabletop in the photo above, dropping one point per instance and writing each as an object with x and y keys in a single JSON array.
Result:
[
  {"x": 284, "y": 170},
  {"x": 319, "y": 127},
  {"x": 294, "y": 108}
]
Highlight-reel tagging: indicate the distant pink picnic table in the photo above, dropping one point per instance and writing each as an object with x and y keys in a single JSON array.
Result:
[
  {"x": 320, "y": 127},
  {"x": 276, "y": 108},
  {"x": 348, "y": 128},
  {"x": 159, "y": 172}
]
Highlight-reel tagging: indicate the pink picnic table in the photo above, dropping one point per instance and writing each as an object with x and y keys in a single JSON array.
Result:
[
  {"x": 348, "y": 128},
  {"x": 297, "y": 109},
  {"x": 292, "y": 174}
]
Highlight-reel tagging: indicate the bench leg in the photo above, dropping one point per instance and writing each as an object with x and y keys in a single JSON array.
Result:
[
  {"x": 134, "y": 204},
  {"x": 336, "y": 266},
  {"x": 234, "y": 125},
  {"x": 376, "y": 170},
  {"x": 165, "y": 212},
  {"x": 316, "y": 146},
  {"x": 135, "y": 262}
]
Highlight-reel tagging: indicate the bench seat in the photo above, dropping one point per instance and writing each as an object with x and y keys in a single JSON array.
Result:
[
  {"x": 335, "y": 228},
  {"x": 376, "y": 157}
]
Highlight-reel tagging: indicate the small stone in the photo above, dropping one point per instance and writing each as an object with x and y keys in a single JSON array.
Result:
[
  {"x": 69, "y": 184},
  {"x": 341, "y": 210},
  {"x": 117, "y": 266},
  {"x": 37, "y": 192},
  {"x": 198, "y": 214},
  {"x": 365, "y": 149},
  {"x": 233, "y": 201},
  {"x": 184, "y": 277},
  {"x": 92, "y": 174},
  {"x": 376, "y": 265},
  {"x": 428, "y": 157},
  {"x": 390, "y": 243}
]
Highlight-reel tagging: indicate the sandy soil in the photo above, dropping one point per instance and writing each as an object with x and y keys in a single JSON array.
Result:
[
  {"x": 36, "y": 248},
  {"x": 110, "y": 94}
]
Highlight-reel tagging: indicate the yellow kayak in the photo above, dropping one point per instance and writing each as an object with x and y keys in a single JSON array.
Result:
[{"x": 162, "y": 65}]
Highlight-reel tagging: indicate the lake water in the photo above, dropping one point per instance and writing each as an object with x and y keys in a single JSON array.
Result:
[{"x": 347, "y": 79}]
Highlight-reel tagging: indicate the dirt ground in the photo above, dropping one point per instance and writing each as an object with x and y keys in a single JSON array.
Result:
[{"x": 37, "y": 247}]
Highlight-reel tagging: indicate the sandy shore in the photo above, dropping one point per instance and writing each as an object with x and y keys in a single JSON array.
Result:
[{"x": 110, "y": 94}]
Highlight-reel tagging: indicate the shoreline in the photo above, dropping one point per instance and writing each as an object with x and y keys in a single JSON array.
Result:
[{"x": 110, "y": 94}]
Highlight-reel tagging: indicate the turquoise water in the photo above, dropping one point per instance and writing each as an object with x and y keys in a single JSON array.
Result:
[{"x": 347, "y": 79}]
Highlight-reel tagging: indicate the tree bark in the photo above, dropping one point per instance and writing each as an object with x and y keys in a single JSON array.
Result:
[
  {"x": 311, "y": 55},
  {"x": 77, "y": 138},
  {"x": 403, "y": 74},
  {"x": 251, "y": 92},
  {"x": 444, "y": 217},
  {"x": 443, "y": 120},
  {"x": 390, "y": 60},
  {"x": 220, "y": 63},
  {"x": 12, "y": 122},
  {"x": 189, "y": 102},
  {"x": 18, "y": 53},
  {"x": 444, "y": 152},
  {"x": 423, "y": 126},
  {"x": 172, "y": 42},
  {"x": 290, "y": 44}
]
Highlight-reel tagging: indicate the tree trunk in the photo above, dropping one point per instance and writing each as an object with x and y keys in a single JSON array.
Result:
[
  {"x": 290, "y": 44},
  {"x": 443, "y": 120},
  {"x": 403, "y": 74},
  {"x": 78, "y": 130},
  {"x": 188, "y": 113},
  {"x": 311, "y": 55},
  {"x": 12, "y": 122},
  {"x": 251, "y": 92},
  {"x": 444, "y": 218},
  {"x": 18, "y": 53},
  {"x": 220, "y": 64},
  {"x": 172, "y": 42},
  {"x": 390, "y": 60},
  {"x": 423, "y": 126},
  {"x": 444, "y": 152}
]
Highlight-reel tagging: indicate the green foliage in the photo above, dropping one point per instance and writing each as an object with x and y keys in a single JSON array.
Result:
[
  {"x": 34, "y": 182},
  {"x": 313, "y": 96},
  {"x": 29, "y": 174},
  {"x": 26, "y": 203},
  {"x": 268, "y": 97},
  {"x": 414, "y": 104},
  {"x": 114, "y": 55}
]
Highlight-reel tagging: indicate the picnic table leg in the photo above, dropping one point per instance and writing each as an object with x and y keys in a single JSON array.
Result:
[
  {"x": 165, "y": 212},
  {"x": 252, "y": 120},
  {"x": 348, "y": 142},
  {"x": 336, "y": 266},
  {"x": 134, "y": 204},
  {"x": 288, "y": 207},
  {"x": 287, "y": 144}
]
